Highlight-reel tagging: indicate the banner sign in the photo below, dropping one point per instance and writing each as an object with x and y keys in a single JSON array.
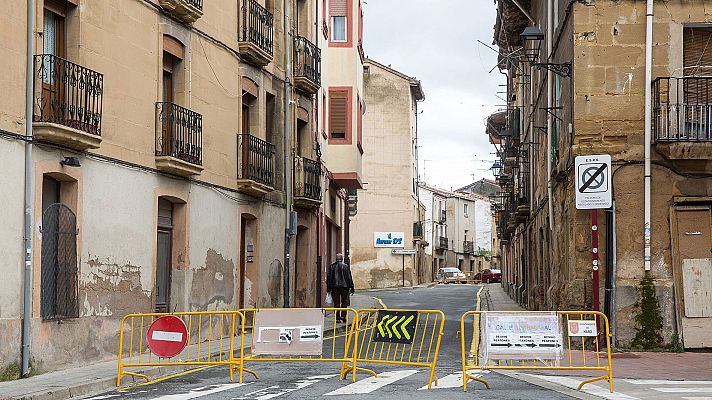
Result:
[
  {"x": 389, "y": 239},
  {"x": 395, "y": 326},
  {"x": 289, "y": 331},
  {"x": 510, "y": 336}
]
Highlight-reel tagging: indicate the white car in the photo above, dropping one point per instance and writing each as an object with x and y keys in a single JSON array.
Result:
[{"x": 450, "y": 274}]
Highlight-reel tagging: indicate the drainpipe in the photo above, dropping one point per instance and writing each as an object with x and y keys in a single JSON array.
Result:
[
  {"x": 29, "y": 210},
  {"x": 549, "y": 102},
  {"x": 287, "y": 149},
  {"x": 648, "y": 121}
]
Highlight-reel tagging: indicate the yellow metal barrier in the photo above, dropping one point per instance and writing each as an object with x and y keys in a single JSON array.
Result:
[
  {"x": 579, "y": 353},
  {"x": 418, "y": 342},
  {"x": 210, "y": 338},
  {"x": 336, "y": 345}
]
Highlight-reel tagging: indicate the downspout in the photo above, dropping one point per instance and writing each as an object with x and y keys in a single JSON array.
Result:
[
  {"x": 549, "y": 102},
  {"x": 29, "y": 209},
  {"x": 287, "y": 149},
  {"x": 648, "y": 121}
]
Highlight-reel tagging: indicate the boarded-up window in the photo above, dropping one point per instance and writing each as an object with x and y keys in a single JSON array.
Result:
[
  {"x": 338, "y": 113},
  {"x": 697, "y": 51}
]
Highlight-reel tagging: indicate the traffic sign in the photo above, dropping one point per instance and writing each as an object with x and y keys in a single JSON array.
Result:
[
  {"x": 403, "y": 251},
  {"x": 167, "y": 336},
  {"x": 593, "y": 182},
  {"x": 395, "y": 326}
]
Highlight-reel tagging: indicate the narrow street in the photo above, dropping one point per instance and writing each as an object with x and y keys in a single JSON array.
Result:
[{"x": 312, "y": 380}]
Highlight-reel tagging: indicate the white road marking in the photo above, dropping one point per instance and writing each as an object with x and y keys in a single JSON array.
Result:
[
  {"x": 665, "y": 382},
  {"x": 697, "y": 398},
  {"x": 202, "y": 391},
  {"x": 104, "y": 397},
  {"x": 370, "y": 384},
  {"x": 684, "y": 390},
  {"x": 590, "y": 389},
  {"x": 453, "y": 380},
  {"x": 276, "y": 390}
]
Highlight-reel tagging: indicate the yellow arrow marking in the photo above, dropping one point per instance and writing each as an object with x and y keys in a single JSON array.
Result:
[
  {"x": 390, "y": 321},
  {"x": 395, "y": 327},
  {"x": 403, "y": 325},
  {"x": 380, "y": 327}
]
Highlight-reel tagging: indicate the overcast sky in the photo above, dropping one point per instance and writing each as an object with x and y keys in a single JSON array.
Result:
[{"x": 436, "y": 42}]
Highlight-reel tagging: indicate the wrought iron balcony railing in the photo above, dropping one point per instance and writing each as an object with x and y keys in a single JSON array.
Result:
[
  {"x": 257, "y": 26},
  {"x": 682, "y": 109},
  {"x": 307, "y": 178},
  {"x": 307, "y": 62},
  {"x": 67, "y": 94},
  {"x": 255, "y": 160},
  {"x": 468, "y": 247},
  {"x": 179, "y": 133},
  {"x": 441, "y": 243},
  {"x": 196, "y": 3}
]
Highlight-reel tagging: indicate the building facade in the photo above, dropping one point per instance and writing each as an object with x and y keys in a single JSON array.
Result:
[
  {"x": 178, "y": 164},
  {"x": 389, "y": 208},
  {"x": 588, "y": 97}
]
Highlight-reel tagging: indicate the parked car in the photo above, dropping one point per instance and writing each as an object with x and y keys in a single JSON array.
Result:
[
  {"x": 489, "y": 276},
  {"x": 450, "y": 274}
]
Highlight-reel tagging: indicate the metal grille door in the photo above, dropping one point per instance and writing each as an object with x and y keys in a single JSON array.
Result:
[{"x": 59, "y": 263}]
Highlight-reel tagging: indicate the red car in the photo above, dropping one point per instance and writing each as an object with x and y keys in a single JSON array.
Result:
[{"x": 489, "y": 276}]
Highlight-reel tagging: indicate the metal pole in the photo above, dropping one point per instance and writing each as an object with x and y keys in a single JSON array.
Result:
[
  {"x": 648, "y": 133},
  {"x": 29, "y": 209},
  {"x": 594, "y": 258},
  {"x": 403, "y": 269},
  {"x": 613, "y": 274},
  {"x": 287, "y": 150}
]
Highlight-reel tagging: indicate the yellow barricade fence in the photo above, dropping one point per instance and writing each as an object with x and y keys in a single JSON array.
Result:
[
  {"x": 336, "y": 342},
  {"x": 580, "y": 350},
  {"x": 211, "y": 340},
  {"x": 397, "y": 337}
]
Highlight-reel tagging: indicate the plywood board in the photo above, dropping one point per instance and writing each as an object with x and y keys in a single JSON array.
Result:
[
  {"x": 289, "y": 332},
  {"x": 697, "y": 287}
]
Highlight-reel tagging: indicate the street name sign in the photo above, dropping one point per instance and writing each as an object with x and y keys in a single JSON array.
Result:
[
  {"x": 395, "y": 326},
  {"x": 535, "y": 336},
  {"x": 403, "y": 251},
  {"x": 167, "y": 336},
  {"x": 593, "y": 182},
  {"x": 289, "y": 331}
]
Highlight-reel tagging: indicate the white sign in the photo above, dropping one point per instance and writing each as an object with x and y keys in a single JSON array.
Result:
[
  {"x": 403, "y": 251},
  {"x": 593, "y": 182},
  {"x": 388, "y": 239},
  {"x": 582, "y": 328},
  {"x": 310, "y": 333},
  {"x": 288, "y": 331},
  {"x": 510, "y": 336}
]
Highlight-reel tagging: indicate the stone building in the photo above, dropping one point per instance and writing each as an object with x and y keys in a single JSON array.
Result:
[
  {"x": 583, "y": 93},
  {"x": 162, "y": 165},
  {"x": 389, "y": 208}
]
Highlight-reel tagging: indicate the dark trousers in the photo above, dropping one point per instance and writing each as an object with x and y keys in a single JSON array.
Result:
[{"x": 341, "y": 298}]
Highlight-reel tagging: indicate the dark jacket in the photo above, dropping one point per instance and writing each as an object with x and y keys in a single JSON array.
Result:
[{"x": 339, "y": 276}]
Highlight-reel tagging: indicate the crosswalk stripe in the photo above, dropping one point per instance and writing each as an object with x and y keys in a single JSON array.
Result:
[
  {"x": 684, "y": 390},
  {"x": 665, "y": 382},
  {"x": 697, "y": 398},
  {"x": 201, "y": 391},
  {"x": 590, "y": 389},
  {"x": 370, "y": 384},
  {"x": 277, "y": 390},
  {"x": 453, "y": 380}
]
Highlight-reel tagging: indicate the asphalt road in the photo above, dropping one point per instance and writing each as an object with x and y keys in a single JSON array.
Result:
[{"x": 292, "y": 380}]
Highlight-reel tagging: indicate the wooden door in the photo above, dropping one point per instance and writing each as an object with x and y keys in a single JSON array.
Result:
[{"x": 693, "y": 274}]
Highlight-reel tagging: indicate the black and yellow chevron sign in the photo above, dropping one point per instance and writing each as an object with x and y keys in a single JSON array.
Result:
[{"x": 395, "y": 326}]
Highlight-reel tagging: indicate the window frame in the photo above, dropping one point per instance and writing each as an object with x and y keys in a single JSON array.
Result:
[
  {"x": 349, "y": 25},
  {"x": 348, "y": 135}
]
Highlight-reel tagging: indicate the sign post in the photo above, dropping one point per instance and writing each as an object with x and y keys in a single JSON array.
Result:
[{"x": 594, "y": 191}]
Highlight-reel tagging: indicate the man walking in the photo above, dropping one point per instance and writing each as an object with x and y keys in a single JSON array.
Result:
[{"x": 339, "y": 283}]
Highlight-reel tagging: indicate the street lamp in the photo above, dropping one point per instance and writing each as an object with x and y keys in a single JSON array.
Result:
[
  {"x": 531, "y": 40},
  {"x": 496, "y": 168}
]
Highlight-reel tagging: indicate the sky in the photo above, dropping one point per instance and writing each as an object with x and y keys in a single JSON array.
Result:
[{"x": 436, "y": 41}]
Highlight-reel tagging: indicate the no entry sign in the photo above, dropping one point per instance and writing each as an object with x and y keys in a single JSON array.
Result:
[
  {"x": 167, "y": 336},
  {"x": 593, "y": 182}
]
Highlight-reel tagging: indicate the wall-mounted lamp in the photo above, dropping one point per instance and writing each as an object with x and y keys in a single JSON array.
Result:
[
  {"x": 70, "y": 162},
  {"x": 531, "y": 40}
]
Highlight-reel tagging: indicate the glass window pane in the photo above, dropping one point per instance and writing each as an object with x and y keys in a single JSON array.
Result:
[{"x": 338, "y": 29}]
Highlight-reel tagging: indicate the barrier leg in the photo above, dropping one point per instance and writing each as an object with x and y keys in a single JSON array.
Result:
[
  {"x": 432, "y": 377},
  {"x": 469, "y": 377},
  {"x": 136, "y": 375},
  {"x": 600, "y": 378}
]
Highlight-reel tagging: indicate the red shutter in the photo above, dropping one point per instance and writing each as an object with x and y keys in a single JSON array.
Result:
[
  {"x": 338, "y": 113},
  {"x": 338, "y": 8},
  {"x": 359, "y": 126}
]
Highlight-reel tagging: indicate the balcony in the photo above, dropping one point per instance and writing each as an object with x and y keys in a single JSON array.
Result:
[
  {"x": 256, "y": 34},
  {"x": 255, "y": 165},
  {"x": 307, "y": 65},
  {"x": 682, "y": 117},
  {"x": 468, "y": 247},
  {"x": 441, "y": 243},
  {"x": 307, "y": 183},
  {"x": 187, "y": 11},
  {"x": 443, "y": 216},
  {"x": 179, "y": 140},
  {"x": 418, "y": 230},
  {"x": 67, "y": 104}
]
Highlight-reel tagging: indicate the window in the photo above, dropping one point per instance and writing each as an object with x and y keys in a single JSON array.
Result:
[
  {"x": 697, "y": 52},
  {"x": 340, "y": 115},
  {"x": 465, "y": 210},
  {"x": 340, "y": 14},
  {"x": 338, "y": 29},
  {"x": 59, "y": 276},
  {"x": 556, "y": 121},
  {"x": 164, "y": 239},
  {"x": 359, "y": 126}
]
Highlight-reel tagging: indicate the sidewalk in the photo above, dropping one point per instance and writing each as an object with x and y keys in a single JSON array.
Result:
[
  {"x": 101, "y": 376},
  {"x": 633, "y": 365}
]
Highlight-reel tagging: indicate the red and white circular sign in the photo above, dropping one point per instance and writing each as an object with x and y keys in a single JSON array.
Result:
[{"x": 167, "y": 336}]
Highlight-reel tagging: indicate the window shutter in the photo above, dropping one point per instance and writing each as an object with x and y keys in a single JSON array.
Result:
[
  {"x": 697, "y": 51},
  {"x": 338, "y": 8},
  {"x": 338, "y": 110}
]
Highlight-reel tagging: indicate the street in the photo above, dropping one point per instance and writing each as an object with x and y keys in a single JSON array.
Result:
[{"x": 311, "y": 380}]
